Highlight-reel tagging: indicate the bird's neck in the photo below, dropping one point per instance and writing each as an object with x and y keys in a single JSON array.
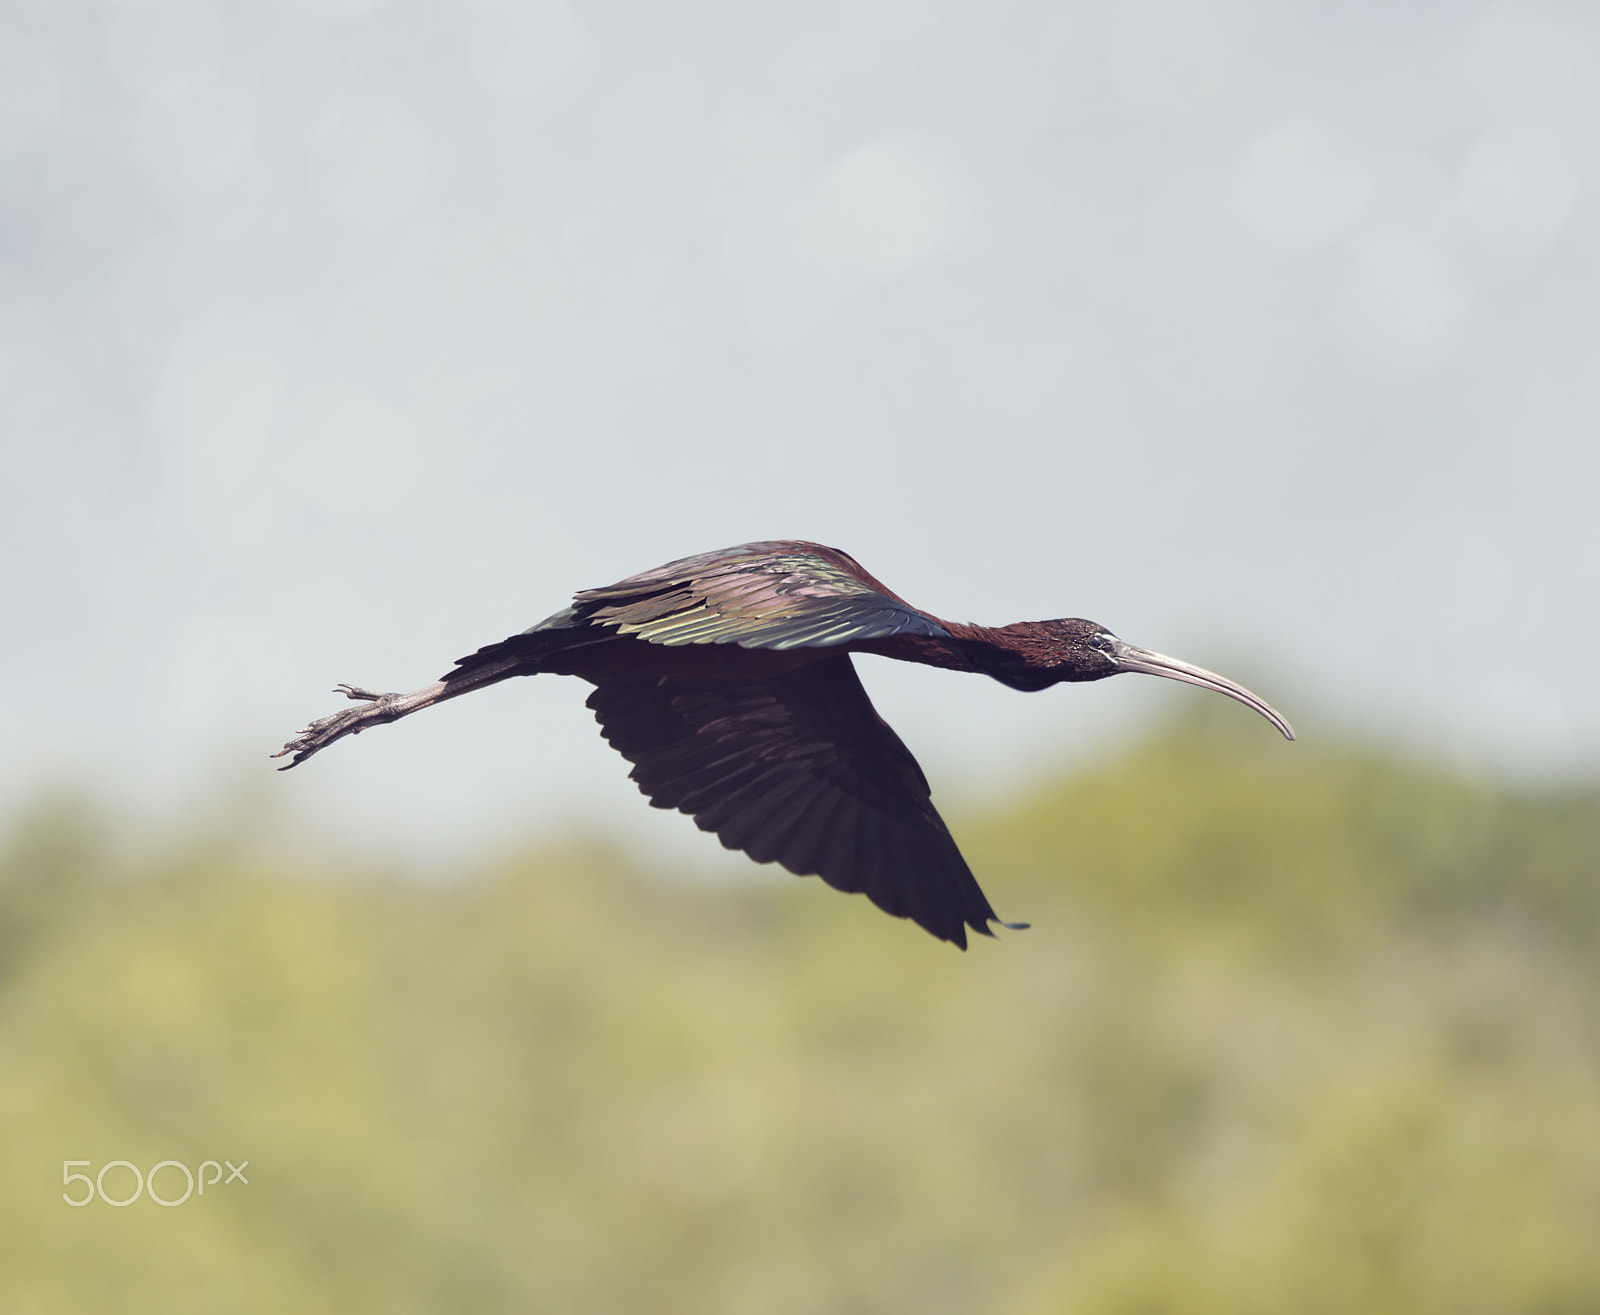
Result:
[{"x": 1020, "y": 655}]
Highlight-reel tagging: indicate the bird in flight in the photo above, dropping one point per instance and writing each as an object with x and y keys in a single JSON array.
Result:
[{"x": 726, "y": 680}]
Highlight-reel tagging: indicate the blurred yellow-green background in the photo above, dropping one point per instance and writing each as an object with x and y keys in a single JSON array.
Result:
[
  {"x": 341, "y": 337},
  {"x": 1296, "y": 1029}
]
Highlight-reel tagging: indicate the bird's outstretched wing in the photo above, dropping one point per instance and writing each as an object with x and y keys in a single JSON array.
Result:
[
  {"x": 797, "y": 769},
  {"x": 778, "y": 595}
]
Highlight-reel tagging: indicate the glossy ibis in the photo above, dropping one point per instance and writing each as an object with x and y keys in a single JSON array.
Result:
[{"x": 725, "y": 679}]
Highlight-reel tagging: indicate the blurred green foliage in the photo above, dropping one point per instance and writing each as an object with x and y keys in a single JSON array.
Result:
[{"x": 1297, "y": 1029}]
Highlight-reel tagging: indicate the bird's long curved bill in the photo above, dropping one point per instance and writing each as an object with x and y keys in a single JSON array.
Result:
[{"x": 1130, "y": 657}]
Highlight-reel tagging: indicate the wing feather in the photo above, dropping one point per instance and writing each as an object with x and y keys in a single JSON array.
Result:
[
  {"x": 802, "y": 852},
  {"x": 778, "y": 595},
  {"x": 769, "y": 823},
  {"x": 797, "y": 768},
  {"x": 766, "y": 814}
]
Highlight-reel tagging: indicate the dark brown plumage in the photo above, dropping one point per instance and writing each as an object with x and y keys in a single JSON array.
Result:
[{"x": 726, "y": 680}]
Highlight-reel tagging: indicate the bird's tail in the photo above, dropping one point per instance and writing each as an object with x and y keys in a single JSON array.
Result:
[{"x": 520, "y": 655}]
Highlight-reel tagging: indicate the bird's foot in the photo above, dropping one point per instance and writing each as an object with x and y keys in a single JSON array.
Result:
[{"x": 376, "y": 710}]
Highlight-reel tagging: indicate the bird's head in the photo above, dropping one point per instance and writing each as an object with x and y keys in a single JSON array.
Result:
[{"x": 1039, "y": 654}]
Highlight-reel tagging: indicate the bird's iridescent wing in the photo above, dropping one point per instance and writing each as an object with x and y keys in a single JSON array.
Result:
[
  {"x": 775, "y": 595},
  {"x": 797, "y": 769}
]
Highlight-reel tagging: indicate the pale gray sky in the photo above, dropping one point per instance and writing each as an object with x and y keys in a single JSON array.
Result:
[{"x": 340, "y": 337}]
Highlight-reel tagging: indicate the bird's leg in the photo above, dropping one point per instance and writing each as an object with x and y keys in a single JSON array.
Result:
[
  {"x": 379, "y": 708},
  {"x": 376, "y": 709}
]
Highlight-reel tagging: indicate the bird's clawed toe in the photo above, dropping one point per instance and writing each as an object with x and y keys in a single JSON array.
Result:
[
  {"x": 366, "y": 695},
  {"x": 325, "y": 730}
]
